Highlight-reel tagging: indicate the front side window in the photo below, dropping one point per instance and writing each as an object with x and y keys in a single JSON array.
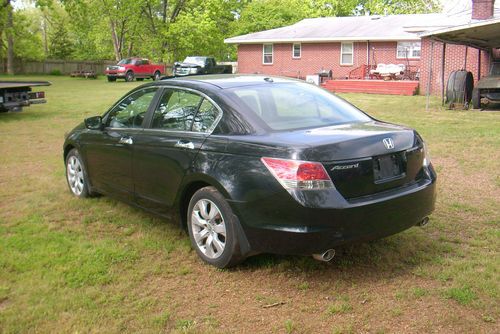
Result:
[
  {"x": 130, "y": 112},
  {"x": 346, "y": 54},
  {"x": 408, "y": 50},
  {"x": 297, "y": 50},
  {"x": 267, "y": 54}
]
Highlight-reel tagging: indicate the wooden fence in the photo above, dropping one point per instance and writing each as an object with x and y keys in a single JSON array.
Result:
[
  {"x": 58, "y": 66},
  {"x": 67, "y": 66}
]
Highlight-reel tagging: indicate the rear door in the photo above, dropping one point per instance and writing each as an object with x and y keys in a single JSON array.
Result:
[
  {"x": 165, "y": 150},
  {"x": 109, "y": 151}
]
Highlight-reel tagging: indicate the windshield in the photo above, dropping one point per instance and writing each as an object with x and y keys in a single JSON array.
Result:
[
  {"x": 125, "y": 61},
  {"x": 495, "y": 69},
  {"x": 195, "y": 60},
  {"x": 291, "y": 106}
]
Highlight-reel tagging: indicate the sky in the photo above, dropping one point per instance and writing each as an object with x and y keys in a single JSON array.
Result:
[{"x": 454, "y": 6}]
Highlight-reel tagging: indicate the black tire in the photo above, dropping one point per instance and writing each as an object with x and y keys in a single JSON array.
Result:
[
  {"x": 79, "y": 188},
  {"x": 129, "y": 77},
  {"x": 476, "y": 99},
  {"x": 111, "y": 79},
  {"x": 231, "y": 253},
  {"x": 157, "y": 76},
  {"x": 140, "y": 79}
]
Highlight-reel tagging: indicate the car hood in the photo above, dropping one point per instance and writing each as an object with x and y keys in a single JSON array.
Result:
[
  {"x": 489, "y": 82},
  {"x": 339, "y": 142}
]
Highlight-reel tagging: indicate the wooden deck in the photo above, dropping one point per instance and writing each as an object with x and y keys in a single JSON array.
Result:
[{"x": 392, "y": 87}]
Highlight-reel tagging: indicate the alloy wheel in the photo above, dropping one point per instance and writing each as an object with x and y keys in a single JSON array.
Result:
[
  {"x": 74, "y": 172},
  {"x": 209, "y": 228}
]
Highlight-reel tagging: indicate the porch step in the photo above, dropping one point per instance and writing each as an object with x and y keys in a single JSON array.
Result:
[{"x": 392, "y": 87}]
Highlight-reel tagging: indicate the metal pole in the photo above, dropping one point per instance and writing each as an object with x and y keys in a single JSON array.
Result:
[
  {"x": 430, "y": 76},
  {"x": 478, "y": 64},
  {"x": 465, "y": 62},
  {"x": 443, "y": 56}
]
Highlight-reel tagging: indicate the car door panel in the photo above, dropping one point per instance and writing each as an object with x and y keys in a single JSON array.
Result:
[
  {"x": 166, "y": 149},
  {"x": 109, "y": 161},
  {"x": 161, "y": 159},
  {"x": 109, "y": 152}
]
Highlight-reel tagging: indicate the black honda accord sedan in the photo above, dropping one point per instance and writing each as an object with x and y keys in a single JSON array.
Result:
[{"x": 254, "y": 164}]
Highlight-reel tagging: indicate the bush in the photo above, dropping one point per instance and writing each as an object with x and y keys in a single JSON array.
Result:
[{"x": 55, "y": 72}]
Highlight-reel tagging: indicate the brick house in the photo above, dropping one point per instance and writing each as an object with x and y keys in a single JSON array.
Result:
[{"x": 351, "y": 46}]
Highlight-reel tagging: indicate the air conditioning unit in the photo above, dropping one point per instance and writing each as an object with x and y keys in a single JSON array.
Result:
[{"x": 313, "y": 79}]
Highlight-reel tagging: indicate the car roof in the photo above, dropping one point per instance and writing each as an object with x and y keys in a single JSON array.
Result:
[{"x": 224, "y": 81}]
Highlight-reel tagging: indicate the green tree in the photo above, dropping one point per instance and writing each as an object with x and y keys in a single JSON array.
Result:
[
  {"x": 382, "y": 7},
  {"x": 201, "y": 28},
  {"x": 261, "y": 15},
  {"x": 27, "y": 35},
  {"x": 61, "y": 45}
]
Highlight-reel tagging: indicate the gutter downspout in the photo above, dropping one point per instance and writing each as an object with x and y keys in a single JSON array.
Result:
[
  {"x": 443, "y": 56},
  {"x": 430, "y": 77}
]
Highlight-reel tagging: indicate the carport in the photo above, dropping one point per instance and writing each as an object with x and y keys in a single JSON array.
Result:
[{"x": 483, "y": 35}]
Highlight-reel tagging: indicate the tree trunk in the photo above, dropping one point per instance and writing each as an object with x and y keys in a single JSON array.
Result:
[
  {"x": 10, "y": 40},
  {"x": 130, "y": 48},
  {"x": 116, "y": 42},
  {"x": 45, "y": 39}
]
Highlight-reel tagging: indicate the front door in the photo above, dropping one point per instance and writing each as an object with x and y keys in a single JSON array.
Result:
[
  {"x": 109, "y": 152},
  {"x": 166, "y": 148}
]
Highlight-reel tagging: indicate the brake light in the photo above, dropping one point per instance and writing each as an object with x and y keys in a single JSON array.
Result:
[
  {"x": 36, "y": 95},
  {"x": 296, "y": 174}
]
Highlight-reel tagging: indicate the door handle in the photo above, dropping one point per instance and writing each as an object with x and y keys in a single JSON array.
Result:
[
  {"x": 126, "y": 140},
  {"x": 184, "y": 144}
]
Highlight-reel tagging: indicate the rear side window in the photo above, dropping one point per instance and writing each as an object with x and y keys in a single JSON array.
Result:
[
  {"x": 290, "y": 106},
  {"x": 130, "y": 112},
  {"x": 206, "y": 117},
  {"x": 176, "y": 110}
]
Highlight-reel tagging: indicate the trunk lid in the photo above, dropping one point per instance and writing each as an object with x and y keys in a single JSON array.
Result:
[
  {"x": 364, "y": 159},
  {"x": 355, "y": 155}
]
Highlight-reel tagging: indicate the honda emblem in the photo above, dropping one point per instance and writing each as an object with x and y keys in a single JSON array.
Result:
[{"x": 388, "y": 143}]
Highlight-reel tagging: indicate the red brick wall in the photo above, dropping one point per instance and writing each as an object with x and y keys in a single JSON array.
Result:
[
  {"x": 454, "y": 60},
  {"x": 315, "y": 56},
  {"x": 482, "y": 9}
]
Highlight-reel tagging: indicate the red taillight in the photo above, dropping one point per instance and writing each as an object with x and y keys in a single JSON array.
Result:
[
  {"x": 295, "y": 174},
  {"x": 36, "y": 95}
]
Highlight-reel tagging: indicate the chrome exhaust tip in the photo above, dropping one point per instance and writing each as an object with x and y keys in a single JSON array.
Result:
[
  {"x": 326, "y": 256},
  {"x": 423, "y": 222}
]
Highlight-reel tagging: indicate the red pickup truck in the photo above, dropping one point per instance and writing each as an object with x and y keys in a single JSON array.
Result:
[{"x": 134, "y": 68}]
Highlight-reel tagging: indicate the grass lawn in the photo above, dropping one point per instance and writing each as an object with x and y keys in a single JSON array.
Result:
[{"x": 70, "y": 265}]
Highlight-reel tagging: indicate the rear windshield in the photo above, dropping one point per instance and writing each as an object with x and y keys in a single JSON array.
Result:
[
  {"x": 195, "y": 60},
  {"x": 495, "y": 69},
  {"x": 125, "y": 61},
  {"x": 291, "y": 106}
]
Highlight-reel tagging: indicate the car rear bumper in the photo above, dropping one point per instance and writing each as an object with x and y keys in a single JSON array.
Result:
[{"x": 280, "y": 225}]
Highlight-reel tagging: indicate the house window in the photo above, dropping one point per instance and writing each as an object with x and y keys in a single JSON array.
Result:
[
  {"x": 346, "y": 54},
  {"x": 296, "y": 50},
  {"x": 267, "y": 54},
  {"x": 408, "y": 50}
]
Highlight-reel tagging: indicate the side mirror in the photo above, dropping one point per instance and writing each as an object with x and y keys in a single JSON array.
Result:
[{"x": 93, "y": 123}]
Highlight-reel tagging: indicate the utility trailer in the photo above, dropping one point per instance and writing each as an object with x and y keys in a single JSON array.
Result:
[{"x": 14, "y": 95}]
